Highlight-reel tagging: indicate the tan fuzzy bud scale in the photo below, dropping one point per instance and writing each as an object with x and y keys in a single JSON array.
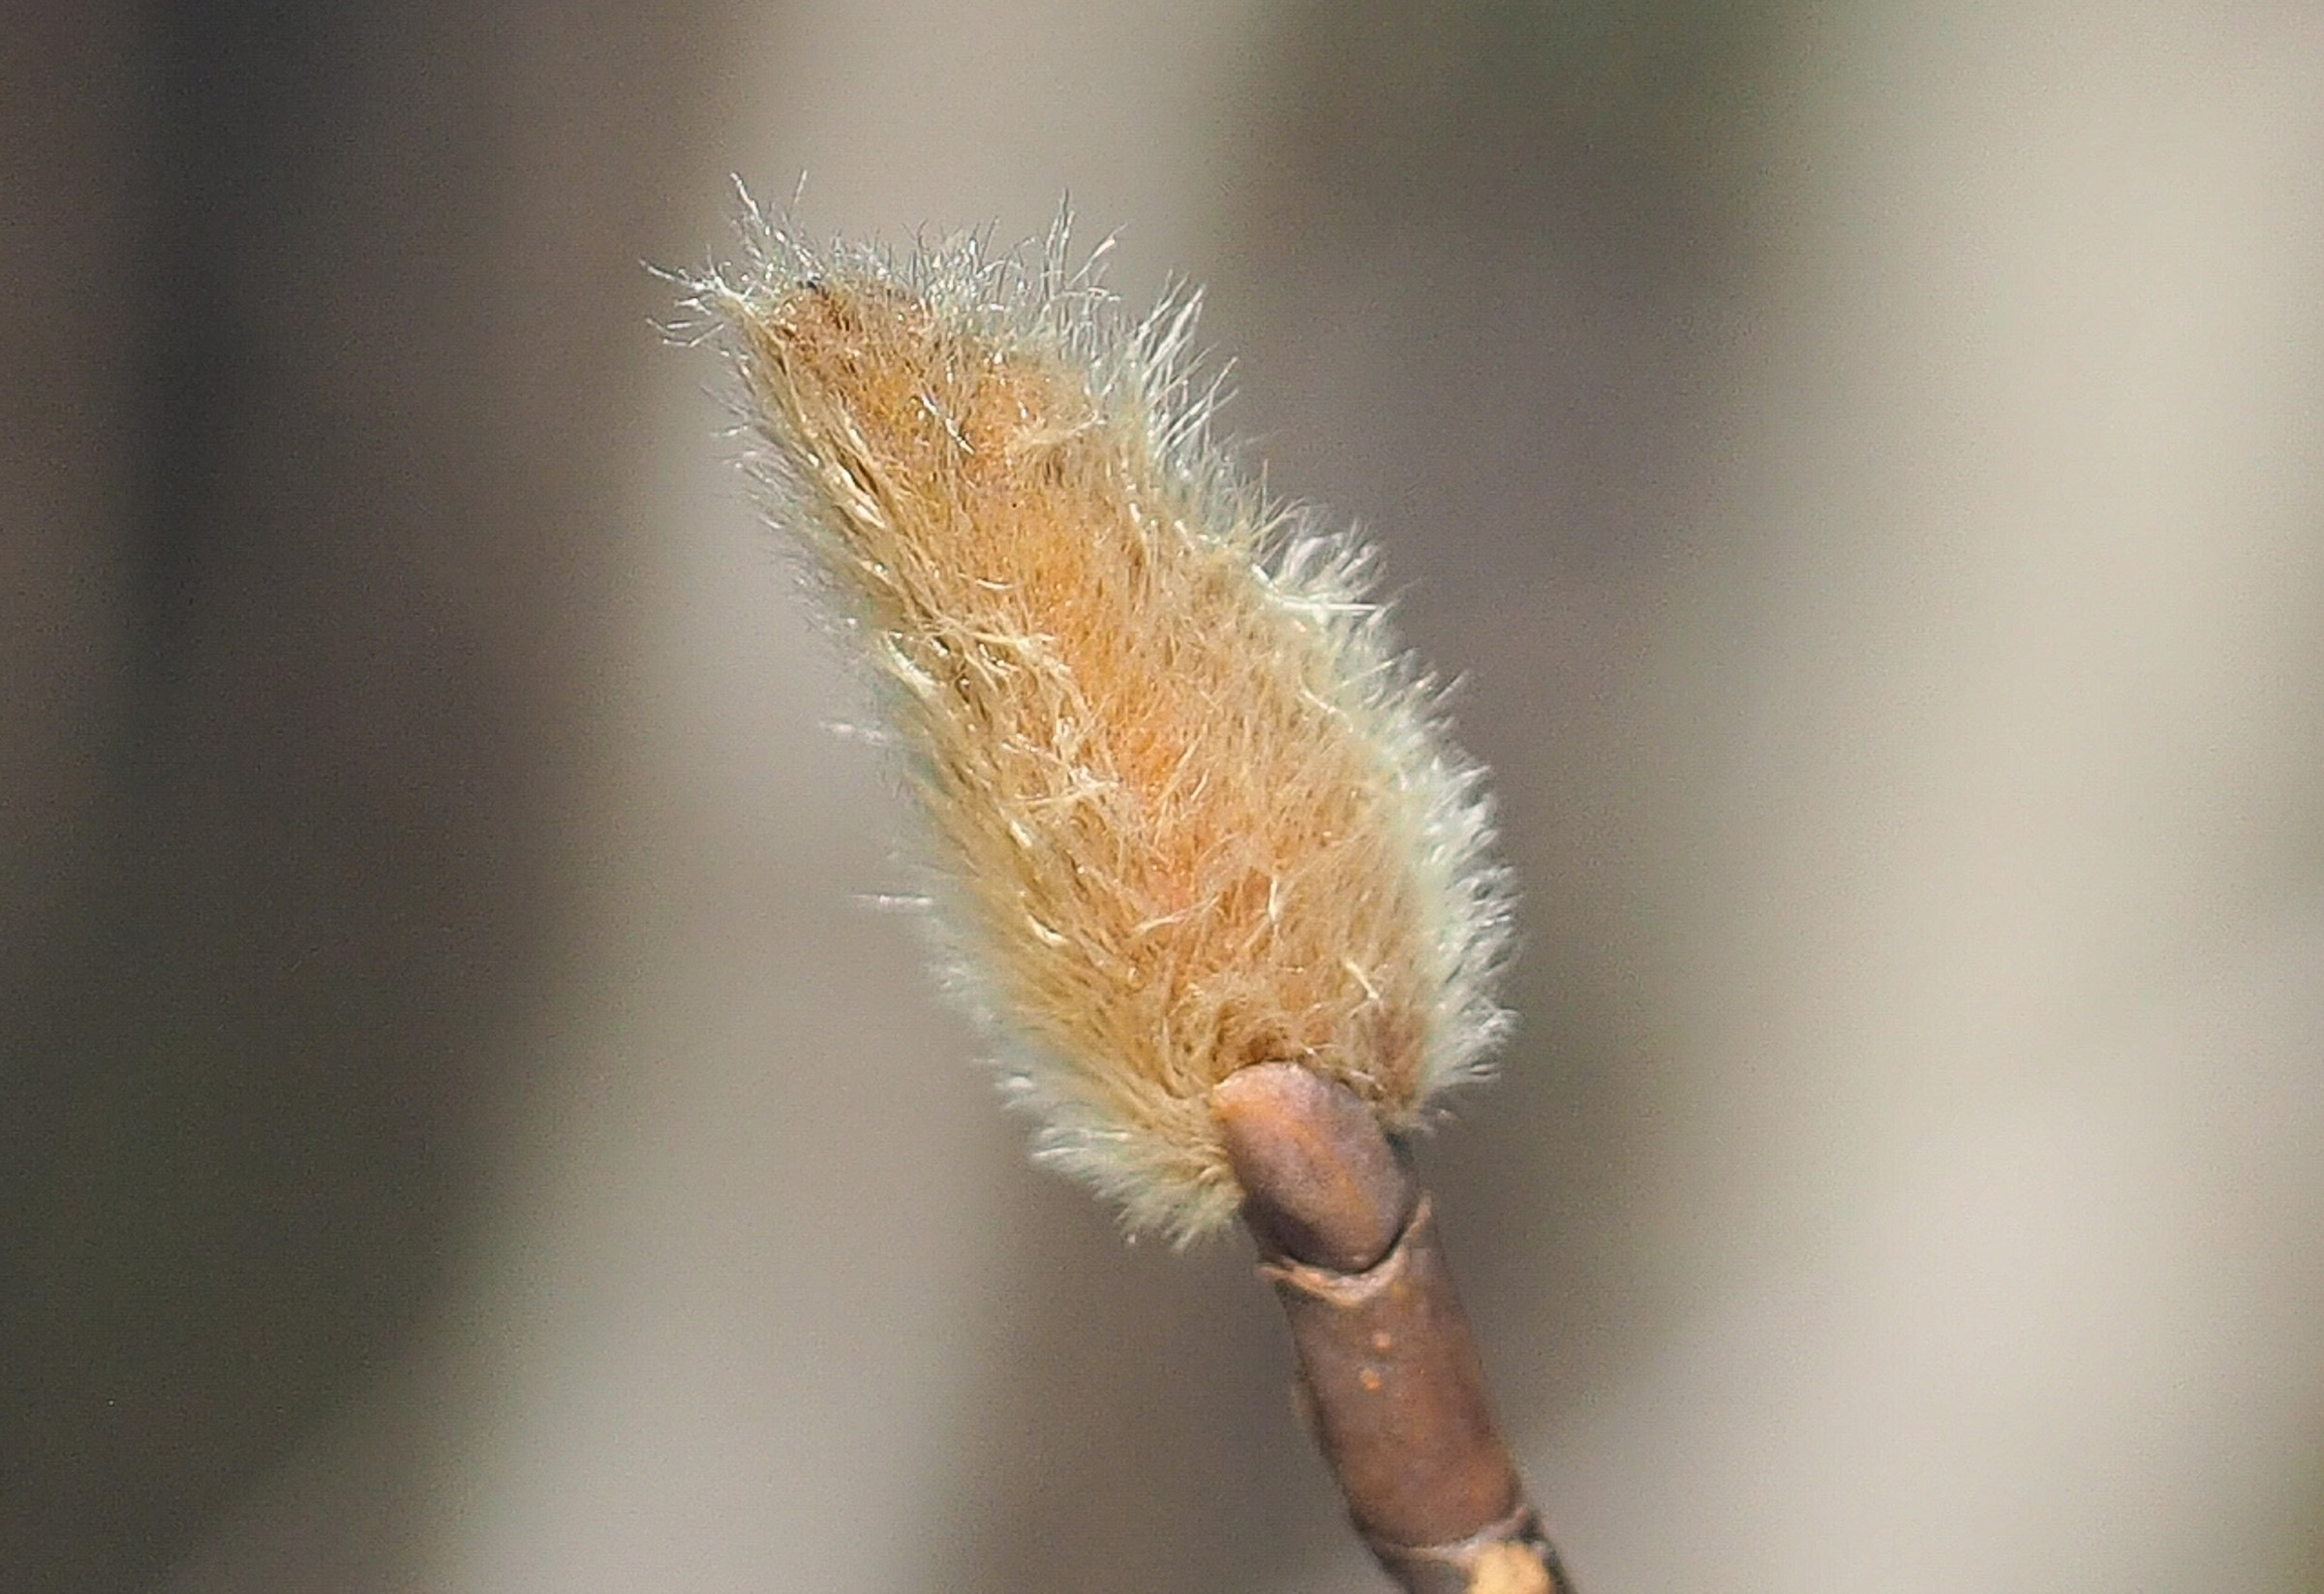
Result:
[{"x": 1191, "y": 810}]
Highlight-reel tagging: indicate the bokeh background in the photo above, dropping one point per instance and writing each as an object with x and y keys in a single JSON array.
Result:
[{"x": 465, "y": 1125}]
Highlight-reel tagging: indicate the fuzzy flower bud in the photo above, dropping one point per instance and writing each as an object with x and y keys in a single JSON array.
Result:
[{"x": 1191, "y": 810}]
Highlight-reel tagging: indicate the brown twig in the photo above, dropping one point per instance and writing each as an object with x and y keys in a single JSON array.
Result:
[{"x": 1389, "y": 1375}]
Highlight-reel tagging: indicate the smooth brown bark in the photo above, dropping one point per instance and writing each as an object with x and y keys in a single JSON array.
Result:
[{"x": 1388, "y": 1374}]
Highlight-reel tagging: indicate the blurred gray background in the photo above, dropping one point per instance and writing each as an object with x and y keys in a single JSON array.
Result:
[{"x": 463, "y": 1126}]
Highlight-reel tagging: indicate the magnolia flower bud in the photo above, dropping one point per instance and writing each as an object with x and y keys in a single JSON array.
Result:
[{"x": 1190, "y": 808}]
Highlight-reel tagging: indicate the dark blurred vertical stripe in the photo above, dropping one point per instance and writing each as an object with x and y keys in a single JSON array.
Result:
[
  {"x": 324, "y": 322},
  {"x": 236, "y": 92}
]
